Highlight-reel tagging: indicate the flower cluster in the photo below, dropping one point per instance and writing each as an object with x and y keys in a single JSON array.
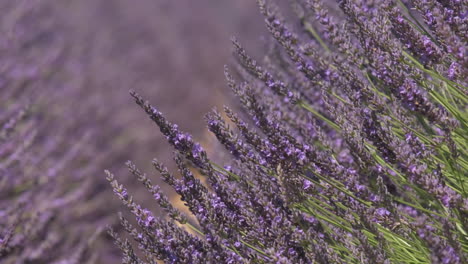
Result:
[{"x": 351, "y": 146}]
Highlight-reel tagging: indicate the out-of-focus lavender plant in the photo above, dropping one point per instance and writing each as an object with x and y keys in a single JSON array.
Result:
[
  {"x": 352, "y": 147},
  {"x": 47, "y": 205}
]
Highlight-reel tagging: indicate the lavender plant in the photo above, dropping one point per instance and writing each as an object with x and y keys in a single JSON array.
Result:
[
  {"x": 351, "y": 146},
  {"x": 43, "y": 173}
]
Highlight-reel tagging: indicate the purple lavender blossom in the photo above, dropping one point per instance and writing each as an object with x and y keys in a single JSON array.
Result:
[{"x": 349, "y": 148}]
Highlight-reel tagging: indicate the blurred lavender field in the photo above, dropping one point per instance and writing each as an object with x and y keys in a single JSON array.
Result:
[
  {"x": 173, "y": 52},
  {"x": 71, "y": 64}
]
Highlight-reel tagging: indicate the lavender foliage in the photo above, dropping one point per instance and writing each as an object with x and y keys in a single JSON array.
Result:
[{"x": 351, "y": 146}]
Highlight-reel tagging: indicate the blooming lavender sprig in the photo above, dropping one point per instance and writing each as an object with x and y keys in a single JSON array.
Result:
[
  {"x": 181, "y": 141},
  {"x": 351, "y": 147}
]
